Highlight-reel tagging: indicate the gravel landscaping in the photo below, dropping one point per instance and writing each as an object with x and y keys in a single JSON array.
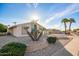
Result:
[{"x": 44, "y": 49}]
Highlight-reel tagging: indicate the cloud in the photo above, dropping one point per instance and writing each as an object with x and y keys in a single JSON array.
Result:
[
  {"x": 56, "y": 26},
  {"x": 68, "y": 11},
  {"x": 51, "y": 18},
  {"x": 35, "y": 5},
  {"x": 29, "y": 5}
]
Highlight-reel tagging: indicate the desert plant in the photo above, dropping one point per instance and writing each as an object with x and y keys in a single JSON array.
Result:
[
  {"x": 51, "y": 40},
  {"x": 34, "y": 34},
  {"x": 13, "y": 49}
]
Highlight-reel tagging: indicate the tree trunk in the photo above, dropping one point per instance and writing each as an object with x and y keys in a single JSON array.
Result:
[
  {"x": 65, "y": 27},
  {"x": 70, "y": 27}
]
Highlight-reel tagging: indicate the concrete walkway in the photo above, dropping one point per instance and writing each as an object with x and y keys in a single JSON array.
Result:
[{"x": 73, "y": 46}]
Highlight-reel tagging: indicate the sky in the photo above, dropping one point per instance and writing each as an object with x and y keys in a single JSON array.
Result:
[{"x": 48, "y": 15}]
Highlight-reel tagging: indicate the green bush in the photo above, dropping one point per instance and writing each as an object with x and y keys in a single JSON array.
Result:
[
  {"x": 51, "y": 40},
  {"x": 13, "y": 49},
  {"x": 3, "y": 28}
]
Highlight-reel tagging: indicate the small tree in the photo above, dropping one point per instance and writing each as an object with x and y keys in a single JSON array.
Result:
[{"x": 3, "y": 28}]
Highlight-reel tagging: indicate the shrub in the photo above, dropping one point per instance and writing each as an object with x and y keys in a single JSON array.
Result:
[
  {"x": 3, "y": 28},
  {"x": 51, "y": 40},
  {"x": 13, "y": 49}
]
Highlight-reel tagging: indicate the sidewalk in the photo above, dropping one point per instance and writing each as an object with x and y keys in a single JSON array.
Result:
[{"x": 73, "y": 46}]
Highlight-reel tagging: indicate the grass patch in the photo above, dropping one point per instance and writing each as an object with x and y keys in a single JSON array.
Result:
[{"x": 13, "y": 49}]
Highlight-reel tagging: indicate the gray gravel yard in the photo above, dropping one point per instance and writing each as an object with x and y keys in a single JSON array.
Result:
[{"x": 51, "y": 49}]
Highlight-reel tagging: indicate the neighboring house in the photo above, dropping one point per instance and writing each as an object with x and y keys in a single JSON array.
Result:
[
  {"x": 76, "y": 30},
  {"x": 19, "y": 30},
  {"x": 54, "y": 31}
]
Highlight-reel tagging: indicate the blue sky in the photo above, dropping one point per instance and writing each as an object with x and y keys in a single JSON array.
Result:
[{"x": 49, "y": 14}]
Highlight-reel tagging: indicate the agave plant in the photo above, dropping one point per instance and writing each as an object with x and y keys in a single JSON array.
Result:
[{"x": 34, "y": 34}]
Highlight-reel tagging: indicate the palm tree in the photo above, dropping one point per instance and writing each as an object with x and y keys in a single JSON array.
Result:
[
  {"x": 65, "y": 20},
  {"x": 71, "y": 20}
]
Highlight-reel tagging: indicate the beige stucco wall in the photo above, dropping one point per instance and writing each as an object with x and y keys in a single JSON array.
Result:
[
  {"x": 19, "y": 30},
  {"x": 23, "y": 31}
]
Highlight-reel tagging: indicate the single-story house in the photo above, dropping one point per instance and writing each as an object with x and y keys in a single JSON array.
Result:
[{"x": 19, "y": 30}]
